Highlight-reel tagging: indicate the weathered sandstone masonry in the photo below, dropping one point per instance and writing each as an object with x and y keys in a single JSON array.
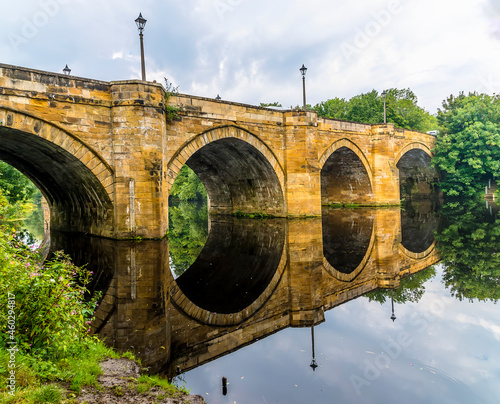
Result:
[{"x": 105, "y": 156}]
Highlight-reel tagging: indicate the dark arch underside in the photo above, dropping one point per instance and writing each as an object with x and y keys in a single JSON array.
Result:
[
  {"x": 77, "y": 199},
  {"x": 237, "y": 177},
  {"x": 344, "y": 179},
  {"x": 416, "y": 174}
]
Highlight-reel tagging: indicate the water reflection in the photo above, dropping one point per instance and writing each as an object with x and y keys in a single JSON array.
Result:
[
  {"x": 347, "y": 237},
  {"x": 188, "y": 233},
  {"x": 236, "y": 265},
  {"x": 470, "y": 247},
  {"x": 293, "y": 281},
  {"x": 252, "y": 279},
  {"x": 420, "y": 220}
]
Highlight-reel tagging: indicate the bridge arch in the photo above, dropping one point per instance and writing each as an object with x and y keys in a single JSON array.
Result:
[
  {"x": 346, "y": 175},
  {"x": 75, "y": 180},
  {"x": 416, "y": 174},
  {"x": 238, "y": 170}
]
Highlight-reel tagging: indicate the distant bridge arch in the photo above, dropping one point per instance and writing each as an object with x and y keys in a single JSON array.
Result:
[{"x": 346, "y": 175}]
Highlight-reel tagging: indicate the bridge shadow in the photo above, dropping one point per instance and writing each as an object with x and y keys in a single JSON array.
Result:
[{"x": 252, "y": 279}]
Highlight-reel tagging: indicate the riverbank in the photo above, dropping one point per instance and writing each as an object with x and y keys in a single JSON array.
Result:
[{"x": 121, "y": 382}]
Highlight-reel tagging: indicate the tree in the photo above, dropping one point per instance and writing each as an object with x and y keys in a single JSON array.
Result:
[
  {"x": 411, "y": 289},
  {"x": 270, "y": 104},
  {"x": 401, "y": 109},
  {"x": 469, "y": 247},
  {"x": 188, "y": 232},
  {"x": 468, "y": 153},
  {"x": 187, "y": 186},
  {"x": 15, "y": 186}
]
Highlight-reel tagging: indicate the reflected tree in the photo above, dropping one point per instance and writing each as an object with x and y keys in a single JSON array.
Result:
[
  {"x": 188, "y": 232},
  {"x": 411, "y": 289},
  {"x": 469, "y": 248}
]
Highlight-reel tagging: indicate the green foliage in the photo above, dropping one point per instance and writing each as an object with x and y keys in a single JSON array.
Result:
[
  {"x": 468, "y": 153},
  {"x": 187, "y": 186},
  {"x": 15, "y": 186},
  {"x": 188, "y": 233},
  {"x": 401, "y": 109},
  {"x": 13, "y": 213},
  {"x": 18, "y": 199},
  {"x": 270, "y": 104},
  {"x": 411, "y": 289},
  {"x": 51, "y": 313},
  {"x": 48, "y": 394},
  {"x": 171, "y": 111},
  {"x": 469, "y": 244},
  {"x": 147, "y": 382}
]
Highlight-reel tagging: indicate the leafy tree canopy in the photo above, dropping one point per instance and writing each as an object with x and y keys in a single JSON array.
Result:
[
  {"x": 468, "y": 152},
  {"x": 187, "y": 186},
  {"x": 271, "y": 104},
  {"x": 411, "y": 289},
  {"x": 401, "y": 109},
  {"x": 15, "y": 186}
]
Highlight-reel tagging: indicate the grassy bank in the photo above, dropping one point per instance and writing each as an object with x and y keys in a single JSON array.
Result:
[{"x": 46, "y": 352}]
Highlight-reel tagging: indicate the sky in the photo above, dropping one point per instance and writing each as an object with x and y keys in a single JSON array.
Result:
[{"x": 250, "y": 51}]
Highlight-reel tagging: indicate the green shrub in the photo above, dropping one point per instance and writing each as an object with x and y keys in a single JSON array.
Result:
[{"x": 47, "y": 300}]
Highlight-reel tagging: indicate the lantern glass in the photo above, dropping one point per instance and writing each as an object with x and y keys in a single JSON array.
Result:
[{"x": 141, "y": 22}]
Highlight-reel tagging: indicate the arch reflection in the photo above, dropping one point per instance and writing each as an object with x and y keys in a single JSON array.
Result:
[
  {"x": 237, "y": 265},
  {"x": 420, "y": 221},
  {"x": 348, "y": 236}
]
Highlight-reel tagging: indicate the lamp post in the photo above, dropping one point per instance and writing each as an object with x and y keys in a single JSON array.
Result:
[
  {"x": 67, "y": 70},
  {"x": 384, "y": 94},
  {"x": 141, "y": 23},
  {"x": 303, "y": 71}
]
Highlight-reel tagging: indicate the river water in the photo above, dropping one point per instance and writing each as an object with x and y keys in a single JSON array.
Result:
[{"x": 359, "y": 306}]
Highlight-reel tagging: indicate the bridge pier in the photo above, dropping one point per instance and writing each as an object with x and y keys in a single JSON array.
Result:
[{"x": 139, "y": 142}]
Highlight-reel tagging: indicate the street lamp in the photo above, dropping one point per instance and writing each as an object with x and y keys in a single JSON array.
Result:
[
  {"x": 67, "y": 70},
  {"x": 384, "y": 94},
  {"x": 141, "y": 23},
  {"x": 303, "y": 71}
]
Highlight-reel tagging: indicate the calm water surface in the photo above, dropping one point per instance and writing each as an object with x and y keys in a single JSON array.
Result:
[{"x": 259, "y": 302}]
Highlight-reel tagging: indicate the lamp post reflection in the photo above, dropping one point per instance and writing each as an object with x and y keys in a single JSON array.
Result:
[
  {"x": 393, "y": 316},
  {"x": 313, "y": 364}
]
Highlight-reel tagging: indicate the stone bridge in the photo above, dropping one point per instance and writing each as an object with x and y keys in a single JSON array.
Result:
[{"x": 105, "y": 156}]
